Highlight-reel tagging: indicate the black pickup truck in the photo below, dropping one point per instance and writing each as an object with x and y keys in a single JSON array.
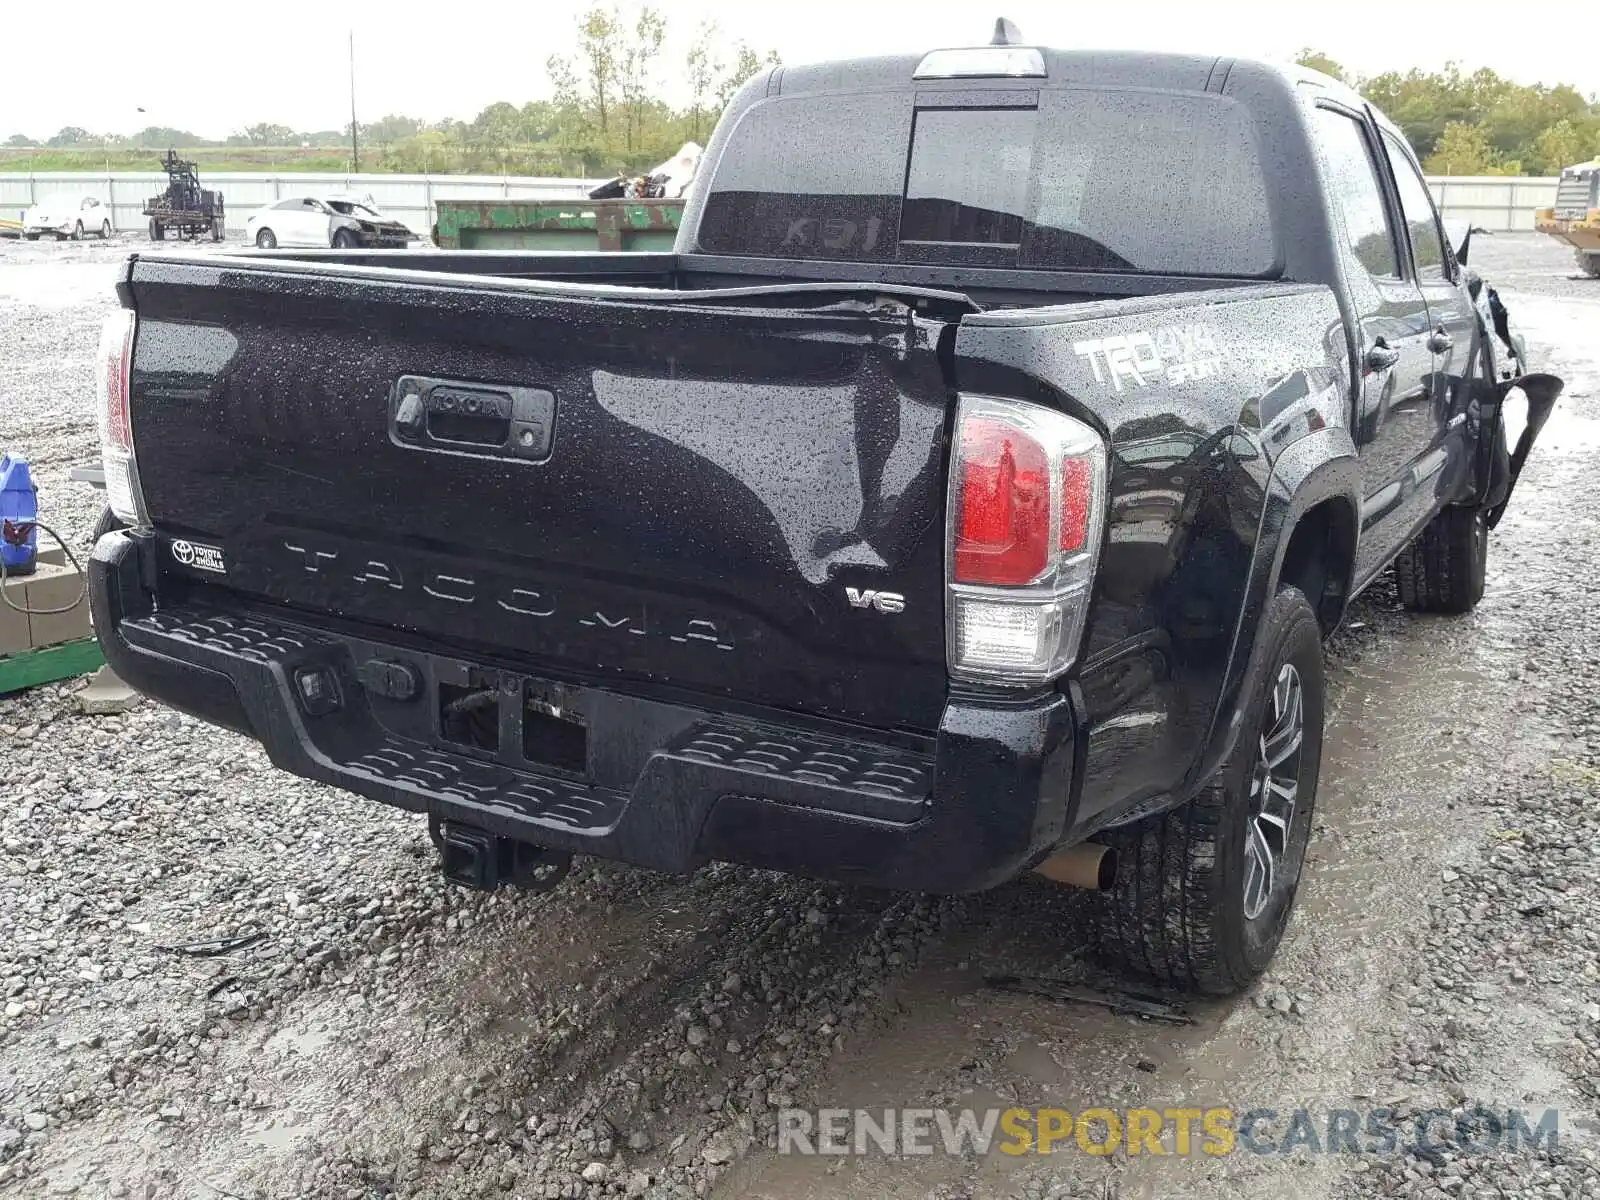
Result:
[{"x": 968, "y": 493}]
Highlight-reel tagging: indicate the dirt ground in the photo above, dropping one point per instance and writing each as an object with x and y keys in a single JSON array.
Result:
[{"x": 632, "y": 1034}]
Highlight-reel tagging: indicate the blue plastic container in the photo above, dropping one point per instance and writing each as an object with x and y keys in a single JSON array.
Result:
[{"x": 19, "y": 504}]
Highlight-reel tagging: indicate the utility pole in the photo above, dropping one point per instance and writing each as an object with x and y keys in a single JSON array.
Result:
[{"x": 355, "y": 144}]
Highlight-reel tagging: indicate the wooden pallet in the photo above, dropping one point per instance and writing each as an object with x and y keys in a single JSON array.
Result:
[{"x": 30, "y": 668}]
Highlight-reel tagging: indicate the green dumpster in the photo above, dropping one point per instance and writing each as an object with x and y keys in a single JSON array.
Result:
[{"x": 557, "y": 225}]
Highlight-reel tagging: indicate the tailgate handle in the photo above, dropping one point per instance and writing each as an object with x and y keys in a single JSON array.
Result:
[
  {"x": 442, "y": 414},
  {"x": 467, "y": 415}
]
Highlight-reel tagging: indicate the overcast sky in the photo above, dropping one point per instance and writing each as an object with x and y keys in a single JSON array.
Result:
[{"x": 284, "y": 61}]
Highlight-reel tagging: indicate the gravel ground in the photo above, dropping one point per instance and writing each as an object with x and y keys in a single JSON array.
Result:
[{"x": 632, "y": 1034}]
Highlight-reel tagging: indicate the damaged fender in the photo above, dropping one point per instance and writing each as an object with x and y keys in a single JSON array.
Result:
[
  {"x": 1506, "y": 363},
  {"x": 1542, "y": 392}
]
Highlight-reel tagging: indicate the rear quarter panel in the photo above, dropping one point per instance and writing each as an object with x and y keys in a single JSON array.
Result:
[{"x": 1203, "y": 403}]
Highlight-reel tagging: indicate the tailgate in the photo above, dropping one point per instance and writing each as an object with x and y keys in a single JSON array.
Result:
[{"x": 711, "y": 495}]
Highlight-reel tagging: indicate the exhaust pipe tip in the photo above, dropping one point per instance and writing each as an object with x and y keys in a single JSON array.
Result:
[{"x": 1087, "y": 865}]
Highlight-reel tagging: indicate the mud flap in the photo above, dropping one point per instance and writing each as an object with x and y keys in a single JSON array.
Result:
[{"x": 1542, "y": 392}]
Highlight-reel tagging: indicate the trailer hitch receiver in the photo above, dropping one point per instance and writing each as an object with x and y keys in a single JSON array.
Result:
[{"x": 475, "y": 858}]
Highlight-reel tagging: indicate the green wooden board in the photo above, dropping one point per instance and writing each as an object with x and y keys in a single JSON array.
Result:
[{"x": 33, "y": 667}]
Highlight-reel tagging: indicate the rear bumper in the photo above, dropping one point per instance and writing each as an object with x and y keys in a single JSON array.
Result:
[{"x": 668, "y": 786}]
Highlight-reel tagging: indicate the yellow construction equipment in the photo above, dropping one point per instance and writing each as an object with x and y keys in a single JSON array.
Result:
[{"x": 1575, "y": 219}]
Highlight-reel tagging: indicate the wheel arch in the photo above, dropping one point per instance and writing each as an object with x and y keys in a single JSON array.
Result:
[
  {"x": 1310, "y": 528},
  {"x": 1313, "y": 511},
  {"x": 1318, "y": 555}
]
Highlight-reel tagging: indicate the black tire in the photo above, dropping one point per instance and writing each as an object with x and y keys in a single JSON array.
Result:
[
  {"x": 1177, "y": 911},
  {"x": 77, "y": 231},
  {"x": 216, "y": 229},
  {"x": 1442, "y": 571},
  {"x": 107, "y": 522},
  {"x": 158, "y": 232},
  {"x": 343, "y": 239},
  {"x": 266, "y": 239},
  {"x": 32, "y": 237},
  {"x": 105, "y": 230}
]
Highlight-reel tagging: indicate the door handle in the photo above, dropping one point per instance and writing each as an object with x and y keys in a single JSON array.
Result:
[
  {"x": 1381, "y": 356},
  {"x": 1440, "y": 340}
]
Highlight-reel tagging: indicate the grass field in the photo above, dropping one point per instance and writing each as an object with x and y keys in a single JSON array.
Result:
[{"x": 208, "y": 158}]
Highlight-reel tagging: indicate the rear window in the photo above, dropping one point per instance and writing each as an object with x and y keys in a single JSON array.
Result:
[{"x": 1078, "y": 179}]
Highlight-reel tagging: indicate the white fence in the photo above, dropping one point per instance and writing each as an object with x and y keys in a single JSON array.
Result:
[
  {"x": 1500, "y": 203},
  {"x": 1503, "y": 203},
  {"x": 407, "y": 198}
]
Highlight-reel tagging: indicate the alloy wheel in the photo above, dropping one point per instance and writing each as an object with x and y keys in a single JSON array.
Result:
[{"x": 1274, "y": 790}]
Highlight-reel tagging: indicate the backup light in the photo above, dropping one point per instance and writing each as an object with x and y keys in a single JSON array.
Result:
[
  {"x": 1005, "y": 638},
  {"x": 1026, "y": 511}
]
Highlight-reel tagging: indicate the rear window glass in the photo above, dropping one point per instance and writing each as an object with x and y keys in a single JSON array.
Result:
[
  {"x": 969, "y": 176},
  {"x": 818, "y": 177},
  {"x": 1086, "y": 180}
]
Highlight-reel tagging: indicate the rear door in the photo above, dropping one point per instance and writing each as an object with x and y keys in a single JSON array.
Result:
[
  {"x": 1395, "y": 425},
  {"x": 295, "y": 222},
  {"x": 709, "y": 497},
  {"x": 1453, "y": 337},
  {"x": 282, "y": 218}
]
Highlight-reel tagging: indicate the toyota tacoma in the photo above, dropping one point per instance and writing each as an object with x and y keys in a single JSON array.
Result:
[{"x": 968, "y": 493}]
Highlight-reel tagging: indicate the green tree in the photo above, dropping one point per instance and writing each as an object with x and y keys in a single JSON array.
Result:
[
  {"x": 70, "y": 135},
  {"x": 1464, "y": 149},
  {"x": 746, "y": 64},
  {"x": 1318, "y": 61},
  {"x": 423, "y": 153},
  {"x": 390, "y": 128},
  {"x": 599, "y": 49},
  {"x": 702, "y": 67},
  {"x": 633, "y": 76},
  {"x": 267, "y": 134},
  {"x": 1518, "y": 115},
  {"x": 492, "y": 135},
  {"x": 159, "y": 137},
  {"x": 1560, "y": 145}
]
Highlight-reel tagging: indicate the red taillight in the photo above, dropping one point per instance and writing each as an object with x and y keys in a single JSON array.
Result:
[
  {"x": 116, "y": 349},
  {"x": 1077, "y": 497},
  {"x": 1027, "y": 501},
  {"x": 116, "y": 426},
  {"x": 1003, "y": 527}
]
